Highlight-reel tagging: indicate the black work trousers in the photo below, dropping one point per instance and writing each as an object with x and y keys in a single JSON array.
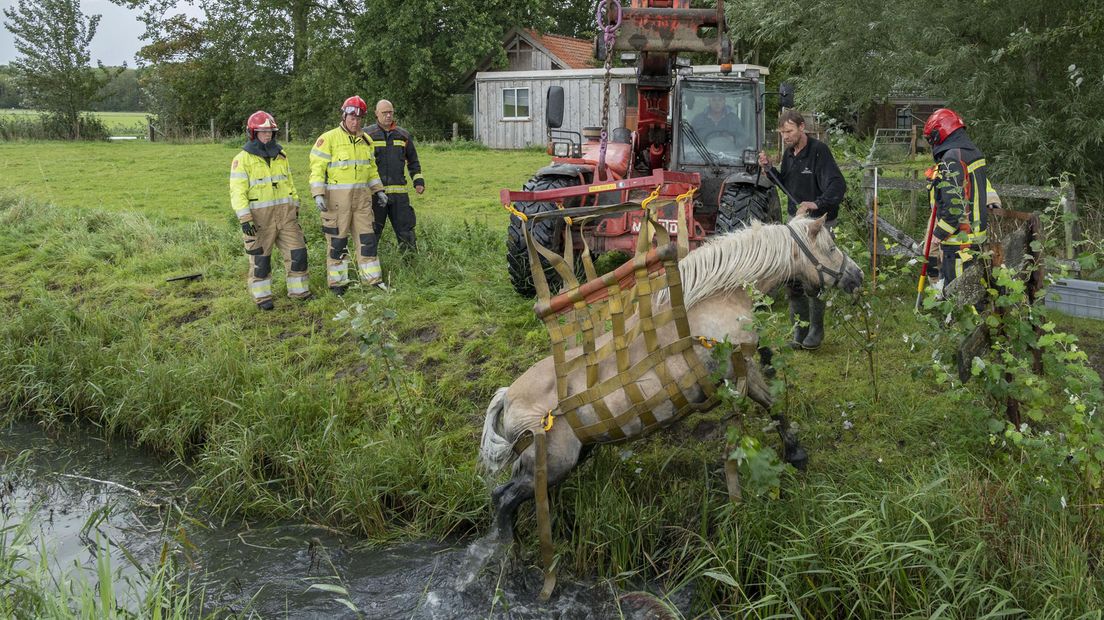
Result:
[{"x": 402, "y": 217}]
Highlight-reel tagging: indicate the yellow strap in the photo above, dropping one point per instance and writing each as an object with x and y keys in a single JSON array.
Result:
[{"x": 549, "y": 420}]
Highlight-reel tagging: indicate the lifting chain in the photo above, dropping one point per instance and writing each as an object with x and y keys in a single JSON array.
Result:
[{"x": 608, "y": 16}]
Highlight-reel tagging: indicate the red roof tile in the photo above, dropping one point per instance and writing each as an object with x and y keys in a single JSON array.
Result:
[{"x": 576, "y": 53}]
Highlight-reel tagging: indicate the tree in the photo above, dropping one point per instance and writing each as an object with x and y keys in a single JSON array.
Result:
[
  {"x": 1025, "y": 75},
  {"x": 53, "y": 69}
]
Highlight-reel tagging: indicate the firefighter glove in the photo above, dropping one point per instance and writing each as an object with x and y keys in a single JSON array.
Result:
[
  {"x": 249, "y": 229},
  {"x": 320, "y": 201},
  {"x": 381, "y": 198}
]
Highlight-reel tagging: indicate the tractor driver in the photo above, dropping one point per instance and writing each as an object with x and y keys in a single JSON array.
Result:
[{"x": 717, "y": 121}]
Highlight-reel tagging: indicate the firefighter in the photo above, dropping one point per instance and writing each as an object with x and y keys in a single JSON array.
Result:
[
  {"x": 343, "y": 179},
  {"x": 263, "y": 197},
  {"x": 394, "y": 150},
  {"x": 959, "y": 191},
  {"x": 810, "y": 173}
]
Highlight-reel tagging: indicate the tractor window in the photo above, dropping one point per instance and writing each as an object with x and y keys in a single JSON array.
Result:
[{"x": 721, "y": 117}]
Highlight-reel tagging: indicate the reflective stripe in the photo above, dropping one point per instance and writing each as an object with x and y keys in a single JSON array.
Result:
[
  {"x": 370, "y": 271},
  {"x": 322, "y": 154},
  {"x": 401, "y": 143},
  {"x": 318, "y": 184},
  {"x": 395, "y": 189},
  {"x": 418, "y": 177},
  {"x": 261, "y": 289},
  {"x": 375, "y": 181},
  {"x": 239, "y": 175},
  {"x": 272, "y": 203},
  {"x": 337, "y": 274},
  {"x": 272, "y": 179},
  {"x": 974, "y": 166},
  {"x": 242, "y": 212},
  {"x": 348, "y": 163},
  {"x": 947, "y": 227},
  {"x": 296, "y": 284},
  {"x": 346, "y": 185}
]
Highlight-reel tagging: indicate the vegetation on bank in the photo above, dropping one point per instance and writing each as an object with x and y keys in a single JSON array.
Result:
[{"x": 909, "y": 505}]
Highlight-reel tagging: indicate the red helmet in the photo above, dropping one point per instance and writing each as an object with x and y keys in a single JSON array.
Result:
[
  {"x": 259, "y": 120},
  {"x": 354, "y": 105},
  {"x": 942, "y": 123}
]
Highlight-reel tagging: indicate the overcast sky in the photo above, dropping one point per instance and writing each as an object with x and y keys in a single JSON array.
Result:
[{"x": 116, "y": 39}]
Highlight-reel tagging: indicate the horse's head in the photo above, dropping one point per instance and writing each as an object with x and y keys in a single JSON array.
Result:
[{"x": 818, "y": 263}]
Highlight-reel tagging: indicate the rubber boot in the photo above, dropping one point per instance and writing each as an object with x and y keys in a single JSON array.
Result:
[
  {"x": 799, "y": 311},
  {"x": 816, "y": 324}
]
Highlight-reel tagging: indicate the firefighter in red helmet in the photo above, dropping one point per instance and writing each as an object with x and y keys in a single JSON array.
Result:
[
  {"x": 263, "y": 197},
  {"x": 343, "y": 180},
  {"x": 959, "y": 191}
]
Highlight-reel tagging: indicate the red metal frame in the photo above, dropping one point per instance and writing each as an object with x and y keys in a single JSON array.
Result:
[{"x": 671, "y": 183}]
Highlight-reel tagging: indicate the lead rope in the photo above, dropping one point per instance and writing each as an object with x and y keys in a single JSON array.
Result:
[{"x": 609, "y": 34}]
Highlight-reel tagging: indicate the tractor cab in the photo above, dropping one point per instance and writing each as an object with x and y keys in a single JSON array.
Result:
[{"x": 717, "y": 126}]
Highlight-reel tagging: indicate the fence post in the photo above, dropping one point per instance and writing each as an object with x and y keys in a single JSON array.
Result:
[
  {"x": 455, "y": 132},
  {"x": 212, "y": 130},
  {"x": 912, "y": 143},
  {"x": 149, "y": 127},
  {"x": 915, "y": 174},
  {"x": 1068, "y": 202},
  {"x": 287, "y": 131}
]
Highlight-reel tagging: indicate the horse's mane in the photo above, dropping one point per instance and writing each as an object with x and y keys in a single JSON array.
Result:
[{"x": 740, "y": 258}]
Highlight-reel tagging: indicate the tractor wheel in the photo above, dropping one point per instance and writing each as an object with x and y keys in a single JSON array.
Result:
[
  {"x": 741, "y": 204},
  {"x": 548, "y": 232}
]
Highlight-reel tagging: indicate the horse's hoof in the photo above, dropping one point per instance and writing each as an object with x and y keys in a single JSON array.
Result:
[{"x": 797, "y": 457}]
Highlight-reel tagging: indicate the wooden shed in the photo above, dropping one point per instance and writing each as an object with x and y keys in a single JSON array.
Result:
[{"x": 509, "y": 105}]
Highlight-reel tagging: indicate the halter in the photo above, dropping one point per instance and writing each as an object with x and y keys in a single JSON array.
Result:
[{"x": 821, "y": 269}]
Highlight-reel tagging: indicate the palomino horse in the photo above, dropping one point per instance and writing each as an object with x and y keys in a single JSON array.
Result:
[{"x": 715, "y": 278}]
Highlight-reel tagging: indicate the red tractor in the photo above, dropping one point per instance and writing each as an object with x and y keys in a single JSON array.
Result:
[{"x": 708, "y": 127}]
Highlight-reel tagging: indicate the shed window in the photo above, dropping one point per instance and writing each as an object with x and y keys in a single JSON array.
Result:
[
  {"x": 515, "y": 103},
  {"x": 904, "y": 118}
]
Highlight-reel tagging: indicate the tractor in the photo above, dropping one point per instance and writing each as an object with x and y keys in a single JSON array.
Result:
[{"x": 706, "y": 130}]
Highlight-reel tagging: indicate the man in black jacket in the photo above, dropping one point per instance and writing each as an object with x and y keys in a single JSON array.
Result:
[
  {"x": 810, "y": 173},
  {"x": 395, "y": 153}
]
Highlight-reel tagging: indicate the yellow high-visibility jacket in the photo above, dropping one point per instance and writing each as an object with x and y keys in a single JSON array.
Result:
[
  {"x": 259, "y": 184},
  {"x": 340, "y": 160}
]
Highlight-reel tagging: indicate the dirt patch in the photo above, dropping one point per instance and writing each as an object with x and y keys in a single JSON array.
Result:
[
  {"x": 355, "y": 371},
  {"x": 191, "y": 316},
  {"x": 428, "y": 333}
]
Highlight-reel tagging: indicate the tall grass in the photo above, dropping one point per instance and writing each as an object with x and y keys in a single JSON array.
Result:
[
  {"x": 35, "y": 586},
  {"x": 906, "y": 511}
]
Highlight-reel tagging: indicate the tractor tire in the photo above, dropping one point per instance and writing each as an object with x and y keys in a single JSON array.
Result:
[
  {"x": 741, "y": 204},
  {"x": 548, "y": 233}
]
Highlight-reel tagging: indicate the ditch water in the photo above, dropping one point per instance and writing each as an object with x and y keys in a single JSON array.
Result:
[{"x": 78, "y": 493}]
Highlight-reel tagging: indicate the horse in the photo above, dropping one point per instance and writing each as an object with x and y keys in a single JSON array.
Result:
[{"x": 719, "y": 306}]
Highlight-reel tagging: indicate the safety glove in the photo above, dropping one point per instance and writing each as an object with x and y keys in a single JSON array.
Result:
[
  {"x": 381, "y": 198},
  {"x": 320, "y": 201},
  {"x": 249, "y": 229}
]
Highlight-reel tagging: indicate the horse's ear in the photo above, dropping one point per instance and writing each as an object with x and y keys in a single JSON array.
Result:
[{"x": 816, "y": 226}]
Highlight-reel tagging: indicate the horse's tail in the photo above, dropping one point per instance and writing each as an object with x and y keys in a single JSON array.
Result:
[{"x": 494, "y": 449}]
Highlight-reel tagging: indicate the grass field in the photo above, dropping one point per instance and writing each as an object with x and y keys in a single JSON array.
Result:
[
  {"x": 189, "y": 182},
  {"x": 907, "y": 509},
  {"x": 118, "y": 123}
]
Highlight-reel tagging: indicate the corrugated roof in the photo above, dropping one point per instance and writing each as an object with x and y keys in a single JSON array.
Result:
[{"x": 575, "y": 53}]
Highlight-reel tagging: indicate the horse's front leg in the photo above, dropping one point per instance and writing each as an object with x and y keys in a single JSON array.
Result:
[{"x": 792, "y": 451}]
